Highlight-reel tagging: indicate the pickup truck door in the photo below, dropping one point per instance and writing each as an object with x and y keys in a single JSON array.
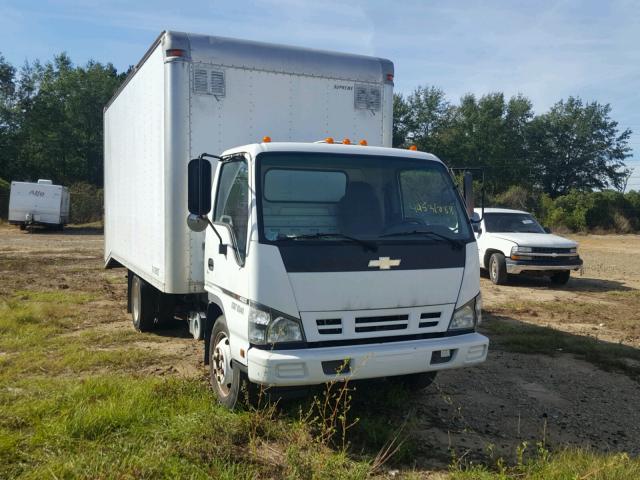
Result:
[{"x": 481, "y": 236}]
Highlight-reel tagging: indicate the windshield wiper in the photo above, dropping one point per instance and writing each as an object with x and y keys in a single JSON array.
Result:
[
  {"x": 367, "y": 245},
  {"x": 457, "y": 244}
]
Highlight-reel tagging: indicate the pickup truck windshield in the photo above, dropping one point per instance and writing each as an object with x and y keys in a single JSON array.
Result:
[
  {"x": 356, "y": 198},
  {"x": 511, "y": 222}
]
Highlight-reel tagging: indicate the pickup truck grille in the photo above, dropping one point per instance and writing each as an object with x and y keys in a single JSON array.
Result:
[{"x": 550, "y": 250}]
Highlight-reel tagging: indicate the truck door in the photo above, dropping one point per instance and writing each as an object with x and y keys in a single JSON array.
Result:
[{"x": 225, "y": 272}]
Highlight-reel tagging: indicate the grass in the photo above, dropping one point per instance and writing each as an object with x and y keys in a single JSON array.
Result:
[
  {"x": 75, "y": 403},
  {"x": 563, "y": 465}
]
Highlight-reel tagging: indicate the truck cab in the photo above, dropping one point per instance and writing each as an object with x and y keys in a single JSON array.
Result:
[{"x": 327, "y": 261}]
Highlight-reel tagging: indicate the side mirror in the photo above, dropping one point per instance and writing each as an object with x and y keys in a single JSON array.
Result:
[
  {"x": 199, "y": 187},
  {"x": 547, "y": 229},
  {"x": 475, "y": 217}
]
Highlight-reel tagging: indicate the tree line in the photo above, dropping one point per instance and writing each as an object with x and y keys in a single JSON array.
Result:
[
  {"x": 575, "y": 145},
  {"x": 51, "y": 127}
]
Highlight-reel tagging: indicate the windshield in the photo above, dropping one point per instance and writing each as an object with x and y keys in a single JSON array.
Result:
[
  {"x": 338, "y": 198},
  {"x": 511, "y": 222}
]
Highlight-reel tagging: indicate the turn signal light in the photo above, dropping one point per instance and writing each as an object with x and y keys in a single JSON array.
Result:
[
  {"x": 413, "y": 148},
  {"x": 363, "y": 143},
  {"x": 266, "y": 139},
  {"x": 346, "y": 141}
]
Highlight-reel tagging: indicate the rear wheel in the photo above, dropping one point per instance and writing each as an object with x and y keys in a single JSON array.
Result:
[
  {"x": 415, "y": 381},
  {"x": 561, "y": 278},
  {"x": 23, "y": 226},
  {"x": 498, "y": 269},
  {"x": 142, "y": 305}
]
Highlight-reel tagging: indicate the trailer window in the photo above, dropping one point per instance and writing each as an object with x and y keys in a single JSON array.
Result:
[{"x": 232, "y": 201}]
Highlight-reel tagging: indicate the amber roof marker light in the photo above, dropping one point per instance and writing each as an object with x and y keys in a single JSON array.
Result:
[
  {"x": 413, "y": 148},
  {"x": 363, "y": 143},
  {"x": 266, "y": 139},
  {"x": 346, "y": 141},
  {"x": 328, "y": 140}
]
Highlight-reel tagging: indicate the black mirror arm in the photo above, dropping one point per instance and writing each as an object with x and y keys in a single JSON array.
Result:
[{"x": 222, "y": 247}]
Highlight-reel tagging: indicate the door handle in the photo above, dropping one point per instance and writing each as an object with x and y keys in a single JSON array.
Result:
[{"x": 210, "y": 264}]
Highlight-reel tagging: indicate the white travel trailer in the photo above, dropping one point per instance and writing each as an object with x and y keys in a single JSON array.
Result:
[
  {"x": 39, "y": 203},
  {"x": 315, "y": 261}
]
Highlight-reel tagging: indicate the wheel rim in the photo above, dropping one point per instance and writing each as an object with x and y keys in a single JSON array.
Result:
[
  {"x": 196, "y": 327},
  {"x": 135, "y": 300},
  {"x": 494, "y": 268},
  {"x": 221, "y": 364}
]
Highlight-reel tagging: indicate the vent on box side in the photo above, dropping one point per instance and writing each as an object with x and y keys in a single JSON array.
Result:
[{"x": 208, "y": 82}]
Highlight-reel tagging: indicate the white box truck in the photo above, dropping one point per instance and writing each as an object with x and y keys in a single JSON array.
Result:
[
  {"x": 41, "y": 203},
  {"x": 300, "y": 262}
]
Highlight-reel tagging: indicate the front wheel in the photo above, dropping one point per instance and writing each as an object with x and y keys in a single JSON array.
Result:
[
  {"x": 561, "y": 278},
  {"x": 229, "y": 383},
  {"x": 498, "y": 269}
]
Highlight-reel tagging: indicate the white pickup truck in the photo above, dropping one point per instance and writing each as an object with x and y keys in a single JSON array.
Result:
[{"x": 512, "y": 242}]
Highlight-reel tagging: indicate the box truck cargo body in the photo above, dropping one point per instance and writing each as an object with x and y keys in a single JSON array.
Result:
[
  {"x": 40, "y": 203},
  {"x": 194, "y": 93},
  {"x": 312, "y": 251}
]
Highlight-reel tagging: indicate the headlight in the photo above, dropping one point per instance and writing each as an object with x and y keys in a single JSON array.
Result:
[
  {"x": 271, "y": 327},
  {"x": 467, "y": 316},
  {"x": 517, "y": 253}
]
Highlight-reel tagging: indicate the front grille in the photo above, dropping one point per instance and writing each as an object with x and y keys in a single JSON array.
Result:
[
  {"x": 329, "y": 326},
  {"x": 427, "y": 316},
  {"x": 381, "y": 323},
  {"x": 550, "y": 250}
]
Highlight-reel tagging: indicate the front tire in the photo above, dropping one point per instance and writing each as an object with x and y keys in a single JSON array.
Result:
[
  {"x": 561, "y": 278},
  {"x": 498, "y": 269},
  {"x": 142, "y": 305},
  {"x": 229, "y": 383}
]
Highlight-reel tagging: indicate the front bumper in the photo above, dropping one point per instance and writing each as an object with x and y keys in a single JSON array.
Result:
[
  {"x": 310, "y": 366},
  {"x": 551, "y": 265}
]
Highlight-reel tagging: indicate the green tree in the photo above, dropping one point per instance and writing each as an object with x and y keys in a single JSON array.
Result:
[
  {"x": 57, "y": 113},
  {"x": 577, "y": 146}
]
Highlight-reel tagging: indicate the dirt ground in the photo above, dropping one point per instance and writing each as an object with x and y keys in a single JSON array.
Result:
[{"x": 559, "y": 400}]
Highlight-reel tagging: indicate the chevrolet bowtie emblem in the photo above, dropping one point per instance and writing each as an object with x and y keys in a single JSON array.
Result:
[{"x": 384, "y": 263}]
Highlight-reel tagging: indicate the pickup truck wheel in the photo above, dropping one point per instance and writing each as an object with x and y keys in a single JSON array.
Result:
[
  {"x": 415, "y": 381},
  {"x": 142, "y": 305},
  {"x": 498, "y": 269},
  {"x": 561, "y": 278},
  {"x": 229, "y": 383}
]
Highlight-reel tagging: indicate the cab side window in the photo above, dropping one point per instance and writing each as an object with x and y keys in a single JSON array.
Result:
[{"x": 232, "y": 201}]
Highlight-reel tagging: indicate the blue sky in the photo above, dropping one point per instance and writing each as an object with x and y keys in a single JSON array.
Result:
[{"x": 546, "y": 50}]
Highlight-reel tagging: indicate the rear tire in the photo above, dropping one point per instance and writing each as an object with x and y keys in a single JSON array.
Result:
[
  {"x": 415, "y": 381},
  {"x": 498, "y": 269},
  {"x": 23, "y": 226},
  {"x": 142, "y": 305},
  {"x": 561, "y": 278},
  {"x": 230, "y": 384}
]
